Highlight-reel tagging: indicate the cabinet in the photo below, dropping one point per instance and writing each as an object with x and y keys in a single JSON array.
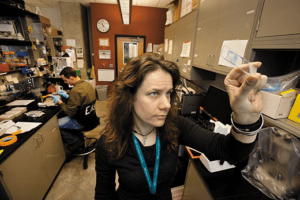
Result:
[
  {"x": 54, "y": 46},
  {"x": 278, "y": 18},
  {"x": 220, "y": 20},
  {"x": 30, "y": 170},
  {"x": 184, "y": 31},
  {"x": 169, "y": 36}
]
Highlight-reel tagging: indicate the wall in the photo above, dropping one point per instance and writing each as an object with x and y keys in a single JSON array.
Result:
[
  {"x": 145, "y": 21},
  {"x": 54, "y": 15},
  {"x": 74, "y": 25}
]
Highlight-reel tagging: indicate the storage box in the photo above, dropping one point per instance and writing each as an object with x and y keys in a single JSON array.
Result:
[
  {"x": 295, "y": 112},
  {"x": 276, "y": 106},
  {"x": 215, "y": 166},
  {"x": 4, "y": 67},
  {"x": 176, "y": 10}
]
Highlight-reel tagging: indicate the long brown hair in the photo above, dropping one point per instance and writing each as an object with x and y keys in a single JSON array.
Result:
[{"x": 120, "y": 120}]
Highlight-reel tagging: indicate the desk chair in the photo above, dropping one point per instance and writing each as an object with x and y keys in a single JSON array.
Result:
[{"x": 87, "y": 118}]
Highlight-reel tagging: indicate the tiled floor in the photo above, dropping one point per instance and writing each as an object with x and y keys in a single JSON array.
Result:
[{"x": 73, "y": 182}]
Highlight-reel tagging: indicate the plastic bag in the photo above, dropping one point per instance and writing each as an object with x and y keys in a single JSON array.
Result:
[
  {"x": 282, "y": 83},
  {"x": 273, "y": 165}
]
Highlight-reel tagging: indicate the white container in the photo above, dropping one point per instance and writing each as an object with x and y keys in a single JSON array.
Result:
[{"x": 276, "y": 106}]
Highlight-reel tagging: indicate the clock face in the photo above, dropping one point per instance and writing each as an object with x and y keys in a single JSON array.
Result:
[{"x": 103, "y": 25}]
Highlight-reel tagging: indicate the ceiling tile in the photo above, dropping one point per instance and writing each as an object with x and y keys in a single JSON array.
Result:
[
  {"x": 164, "y": 3},
  {"x": 152, "y": 3}
]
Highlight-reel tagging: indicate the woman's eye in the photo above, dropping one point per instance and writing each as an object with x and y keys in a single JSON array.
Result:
[
  {"x": 154, "y": 94},
  {"x": 168, "y": 93}
]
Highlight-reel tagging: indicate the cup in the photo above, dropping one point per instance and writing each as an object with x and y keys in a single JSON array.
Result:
[{"x": 58, "y": 88}]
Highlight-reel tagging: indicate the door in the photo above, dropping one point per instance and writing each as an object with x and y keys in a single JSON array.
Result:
[{"x": 128, "y": 47}]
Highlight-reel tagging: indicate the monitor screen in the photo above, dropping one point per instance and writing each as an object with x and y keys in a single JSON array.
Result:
[
  {"x": 191, "y": 104},
  {"x": 216, "y": 103}
]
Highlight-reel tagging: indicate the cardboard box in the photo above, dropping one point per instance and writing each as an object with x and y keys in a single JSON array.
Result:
[
  {"x": 295, "y": 112},
  {"x": 276, "y": 106},
  {"x": 176, "y": 10},
  {"x": 214, "y": 166}
]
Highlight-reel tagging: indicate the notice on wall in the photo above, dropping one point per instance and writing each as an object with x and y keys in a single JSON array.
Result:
[
  {"x": 186, "y": 48},
  {"x": 104, "y": 42},
  {"x": 166, "y": 45},
  {"x": 104, "y": 54},
  {"x": 170, "y": 47},
  {"x": 79, "y": 52},
  {"x": 130, "y": 50},
  {"x": 106, "y": 75},
  {"x": 80, "y": 63},
  {"x": 71, "y": 42}
]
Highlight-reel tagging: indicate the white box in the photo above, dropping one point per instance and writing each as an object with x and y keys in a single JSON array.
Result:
[
  {"x": 214, "y": 166},
  {"x": 276, "y": 106}
]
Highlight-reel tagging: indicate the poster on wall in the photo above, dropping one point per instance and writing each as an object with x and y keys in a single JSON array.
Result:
[
  {"x": 79, "y": 52},
  {"x": 130, "y": 50}
]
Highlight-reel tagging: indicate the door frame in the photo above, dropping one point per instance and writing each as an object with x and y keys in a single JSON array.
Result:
[{"x": 116, "y": 47}]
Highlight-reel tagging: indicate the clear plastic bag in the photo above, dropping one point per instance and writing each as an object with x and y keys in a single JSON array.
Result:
[
  {"x": 282, "y": 83},
  {"x": 273, "y": 165}
]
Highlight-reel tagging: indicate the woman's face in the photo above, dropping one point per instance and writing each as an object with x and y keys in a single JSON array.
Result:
[{"x": 152, "y": 100}]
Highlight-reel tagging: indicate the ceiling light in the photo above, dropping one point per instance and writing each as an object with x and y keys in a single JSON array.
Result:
[{"x": 125, "y": 10}]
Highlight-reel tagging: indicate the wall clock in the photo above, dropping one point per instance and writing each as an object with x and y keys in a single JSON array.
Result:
[{"x": 103, "y": 25}]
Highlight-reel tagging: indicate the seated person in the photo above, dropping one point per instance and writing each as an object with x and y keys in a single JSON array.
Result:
[{"x": 79, "y": 97}]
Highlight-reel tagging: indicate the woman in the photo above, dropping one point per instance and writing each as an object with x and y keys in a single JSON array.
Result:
[{"x": 143, "y": 131}]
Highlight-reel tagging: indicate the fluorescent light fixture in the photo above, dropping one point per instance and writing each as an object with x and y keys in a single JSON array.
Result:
[{"x": 125, "y": 10}]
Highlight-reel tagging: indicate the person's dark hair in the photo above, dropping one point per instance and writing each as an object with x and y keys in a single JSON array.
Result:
[
  {"x": 120, "y": 119},
  {"x": 68, "y": 71}
]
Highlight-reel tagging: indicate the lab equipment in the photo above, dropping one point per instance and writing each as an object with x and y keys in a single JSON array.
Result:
[{"x": 235, "y": 59}]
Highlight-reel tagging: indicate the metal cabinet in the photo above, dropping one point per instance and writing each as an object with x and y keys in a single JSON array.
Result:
[
  {"x": 279, "y": 18},
  {"x": 30, "y": 170},
  {"x": 184, "y": 31},
  {"x": 220, "y": 20},
  {"x": 169, "y": 36}
]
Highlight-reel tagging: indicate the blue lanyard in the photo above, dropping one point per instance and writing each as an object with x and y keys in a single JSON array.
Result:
[{"x": 152, "y": 186}]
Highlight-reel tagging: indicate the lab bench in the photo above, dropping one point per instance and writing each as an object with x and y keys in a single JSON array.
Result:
[
  {"x": 29, "y": 166},
  {"x": 229, "y": 184}
]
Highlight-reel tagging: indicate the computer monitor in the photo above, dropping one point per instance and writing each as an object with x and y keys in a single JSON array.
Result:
[
  {"x": 191, "y": 104},
  {"x": 216, "y": 103}
]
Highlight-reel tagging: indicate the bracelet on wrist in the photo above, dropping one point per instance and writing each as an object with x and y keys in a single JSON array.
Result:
[{"x": 249, "y": 129}]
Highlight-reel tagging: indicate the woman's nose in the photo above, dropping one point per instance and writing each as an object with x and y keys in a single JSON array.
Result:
[{"x": 165, "y": 103}]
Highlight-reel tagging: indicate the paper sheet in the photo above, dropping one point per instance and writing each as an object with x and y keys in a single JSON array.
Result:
[
  {"x": 238, "y": 46},
  {"x": 24, "y": 126},
  {"x": 15, "y": 80},
  {"x": 71, "y": 42},
  {"x": 170, "y": 47},
  {"x": 186, "y": 48},
  {"x": 149, "y": 47},
  {"x": 20, "y": 103},
  {"x": 169, "y": 16},
  {"x": 80, "y": 63},
  {"x": 8, "y": 78},
  {"x": 106, "y": 75},
  {"x": 166, "y": 45}
]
